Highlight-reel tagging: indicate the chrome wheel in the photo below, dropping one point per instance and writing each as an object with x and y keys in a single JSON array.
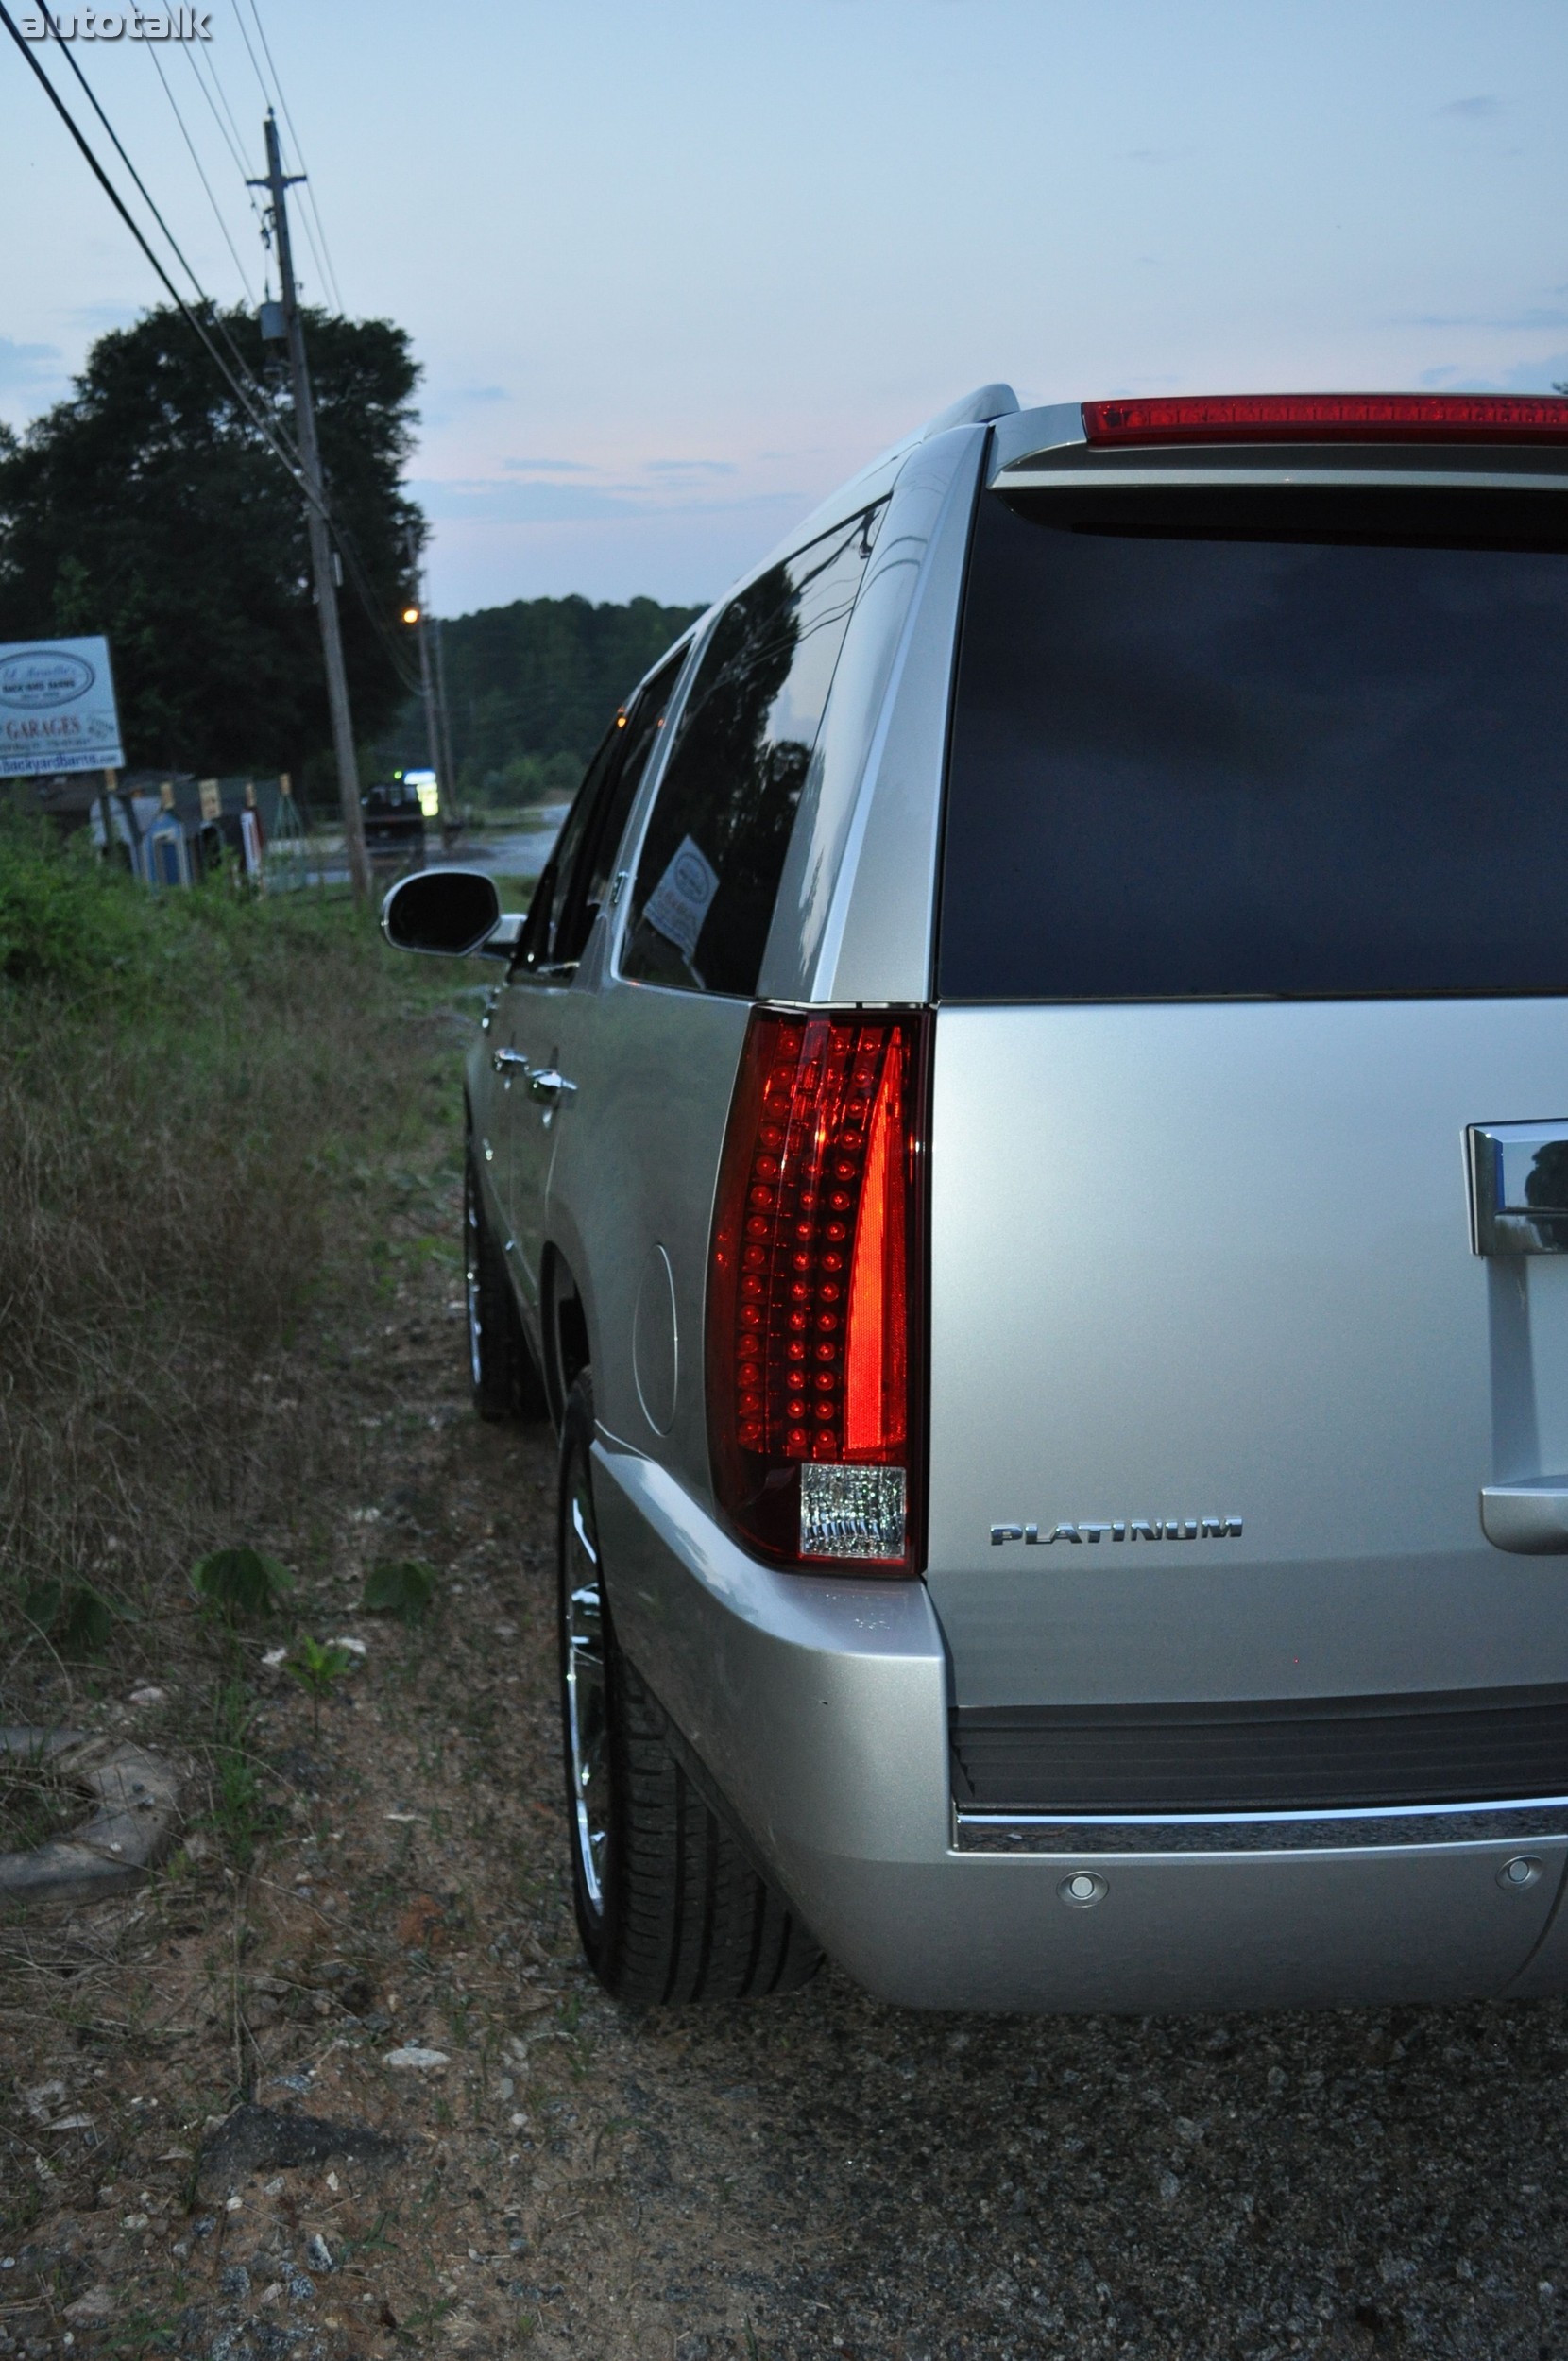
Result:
[
  {"x": 587, "y": 1720},
  {"x": 470, "y": 1277}
]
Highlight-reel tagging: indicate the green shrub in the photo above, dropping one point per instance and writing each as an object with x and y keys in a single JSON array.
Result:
[
  {"x": 405, "y": 1587},
  {"x": 241, "y": 1581},
  {"x": 73, "y": 1617},
  {"x": 68, "y": 921},
  {"x": 317, "y": 1666}
]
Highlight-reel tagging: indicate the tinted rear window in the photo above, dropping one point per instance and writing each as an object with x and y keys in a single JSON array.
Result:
[{"x": 1293, "y": 744}]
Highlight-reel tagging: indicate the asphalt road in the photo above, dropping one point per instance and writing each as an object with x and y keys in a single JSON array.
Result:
[{"x": 514, "y": 852}]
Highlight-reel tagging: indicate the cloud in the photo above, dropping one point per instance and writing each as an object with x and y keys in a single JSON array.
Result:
[
  {"x": 1530, "y": 320},
  {"x": 502, "y": 500},
  {"x": 26, "y": 367},
  {"x": 94, "y": 319},
  {"x": 443, "y": 401},
  {"x": 1525, "y": 377},
  {"x": 1536, "y": 376},
  {"x": 470, "y": 393},
  {"x": 1473, "y": 110},
  {"x": 654, "y": 467}
]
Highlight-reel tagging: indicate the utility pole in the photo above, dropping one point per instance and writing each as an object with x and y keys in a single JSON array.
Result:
[
  {"x": 277, "y": 183},
  {"x": 452, "y": 817},
  {"x": 427, "y": 686}
]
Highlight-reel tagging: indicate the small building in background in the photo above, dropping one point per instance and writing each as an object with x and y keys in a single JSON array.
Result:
[{"x": 196, "y": 824}]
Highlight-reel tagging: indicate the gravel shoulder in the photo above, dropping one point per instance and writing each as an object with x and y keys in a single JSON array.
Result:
[{"x": 816, "y": 2176}]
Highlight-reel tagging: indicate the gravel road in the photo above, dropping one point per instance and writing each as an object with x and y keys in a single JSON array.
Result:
[{"x": 817, "y": 2176}]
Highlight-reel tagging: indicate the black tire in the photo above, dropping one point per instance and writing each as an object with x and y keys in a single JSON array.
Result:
[
  {"x": 669, "y": 1908},
  {"x": 502, "y": 1369}
]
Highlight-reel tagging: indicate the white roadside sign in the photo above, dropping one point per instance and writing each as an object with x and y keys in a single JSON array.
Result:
[{"x": 57, "y": 709}]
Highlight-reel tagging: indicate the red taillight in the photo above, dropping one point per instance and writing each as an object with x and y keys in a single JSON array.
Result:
[
  {"x": 1321, "y": 417},
  {"x": 812, "y": 1334}
]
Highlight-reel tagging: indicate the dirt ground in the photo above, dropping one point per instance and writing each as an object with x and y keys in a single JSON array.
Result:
[{"x": 812, "y": 2177}]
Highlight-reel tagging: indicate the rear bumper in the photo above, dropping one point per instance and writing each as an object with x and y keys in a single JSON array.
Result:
[{"x": 819, "y": 1708}]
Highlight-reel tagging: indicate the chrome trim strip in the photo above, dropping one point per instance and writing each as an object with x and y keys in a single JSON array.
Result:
[
  {"x": 1088, "y": 477},
  {"x": 1259, "y": 1832}
]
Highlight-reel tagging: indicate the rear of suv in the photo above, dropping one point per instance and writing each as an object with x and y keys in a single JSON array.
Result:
[{"x": 1024, "y": 1144}]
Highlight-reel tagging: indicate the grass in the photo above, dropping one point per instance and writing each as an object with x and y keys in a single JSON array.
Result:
[
  {"x": 239, "y": 1816},
  {"x": 229, "y": 1131},
  {"x": 35, "y": 1805},
  {"x": 201, "y": 1095}
]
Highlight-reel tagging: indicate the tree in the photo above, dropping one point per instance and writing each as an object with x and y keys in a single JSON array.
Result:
[
  {"x": 146, "y": 507},
  {"x": 540, "y": 677}
]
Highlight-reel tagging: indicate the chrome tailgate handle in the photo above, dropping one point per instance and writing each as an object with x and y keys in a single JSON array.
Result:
[{"x": 1518, "y": 1188}]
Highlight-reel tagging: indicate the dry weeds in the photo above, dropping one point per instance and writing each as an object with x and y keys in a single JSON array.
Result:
[{"x": 191, "y": 1165}]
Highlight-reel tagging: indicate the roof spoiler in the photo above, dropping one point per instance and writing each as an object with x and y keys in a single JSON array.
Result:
[{"x": 977, "y": 409}]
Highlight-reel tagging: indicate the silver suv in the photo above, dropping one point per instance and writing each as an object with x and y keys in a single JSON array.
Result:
[{"x": 1023, "y": 1144}]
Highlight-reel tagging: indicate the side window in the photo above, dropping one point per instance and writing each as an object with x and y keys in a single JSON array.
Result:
[
  {"x": 537, "y": 947},
  {"x": 636, "y": 733},
  {"x": 710, "y": 863}
]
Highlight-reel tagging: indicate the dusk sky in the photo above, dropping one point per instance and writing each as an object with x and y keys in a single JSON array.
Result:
[{"x": 672, "y": 272}]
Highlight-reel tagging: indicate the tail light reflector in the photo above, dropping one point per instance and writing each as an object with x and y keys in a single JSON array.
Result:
[
  {"x": 1324, "y": 418},
  {"x": 813, "y": 1330}
]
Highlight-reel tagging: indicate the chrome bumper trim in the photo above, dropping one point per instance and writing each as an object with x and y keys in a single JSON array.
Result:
[{"x": 1260, "y": 1832}]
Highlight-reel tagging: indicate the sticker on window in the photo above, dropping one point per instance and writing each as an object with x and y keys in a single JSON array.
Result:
[{"x": 682, "y": 896}]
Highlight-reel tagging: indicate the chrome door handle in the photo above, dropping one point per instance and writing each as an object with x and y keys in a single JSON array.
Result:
[
  {"x": 547, "y": 1085},
  {"x": 1518, "y": 1188},
  {"x": 510, "y": 1062}
]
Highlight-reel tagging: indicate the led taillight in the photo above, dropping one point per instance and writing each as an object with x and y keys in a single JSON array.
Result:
[
  {"x": 1319, "y": 417},
  {"x": 812, "y": 1327}
]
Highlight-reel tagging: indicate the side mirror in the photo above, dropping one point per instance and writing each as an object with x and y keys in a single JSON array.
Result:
[{"x": 449, "y": 911}]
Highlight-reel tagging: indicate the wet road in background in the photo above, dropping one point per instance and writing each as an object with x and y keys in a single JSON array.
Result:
[{"x": 505, "y": 852}]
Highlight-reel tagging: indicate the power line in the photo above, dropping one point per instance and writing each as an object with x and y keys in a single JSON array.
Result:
[
  {"x": 360, "y": 580},
  {"x": 246, "y": 393},
  {"x": 69, "y": 55},
  {"x": 241, "y": 365},
  {"x": 224, "y": 134},
  {"x": 201, "y": 173},
  {"x": 272, "y": 99},
  {"x": 326, "y": 287},
  {"x": 234, "y": 143},
  {"x": 310, "y": 237},
  {"x": 266, "y": 101},
  {"x": 328, "y": 274},
  {"x": 324, "y": 566},
  {"x": 236, "y": 146},
  {"x": 241, "y": 393},
  {"x": 266, "y": 95}
]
